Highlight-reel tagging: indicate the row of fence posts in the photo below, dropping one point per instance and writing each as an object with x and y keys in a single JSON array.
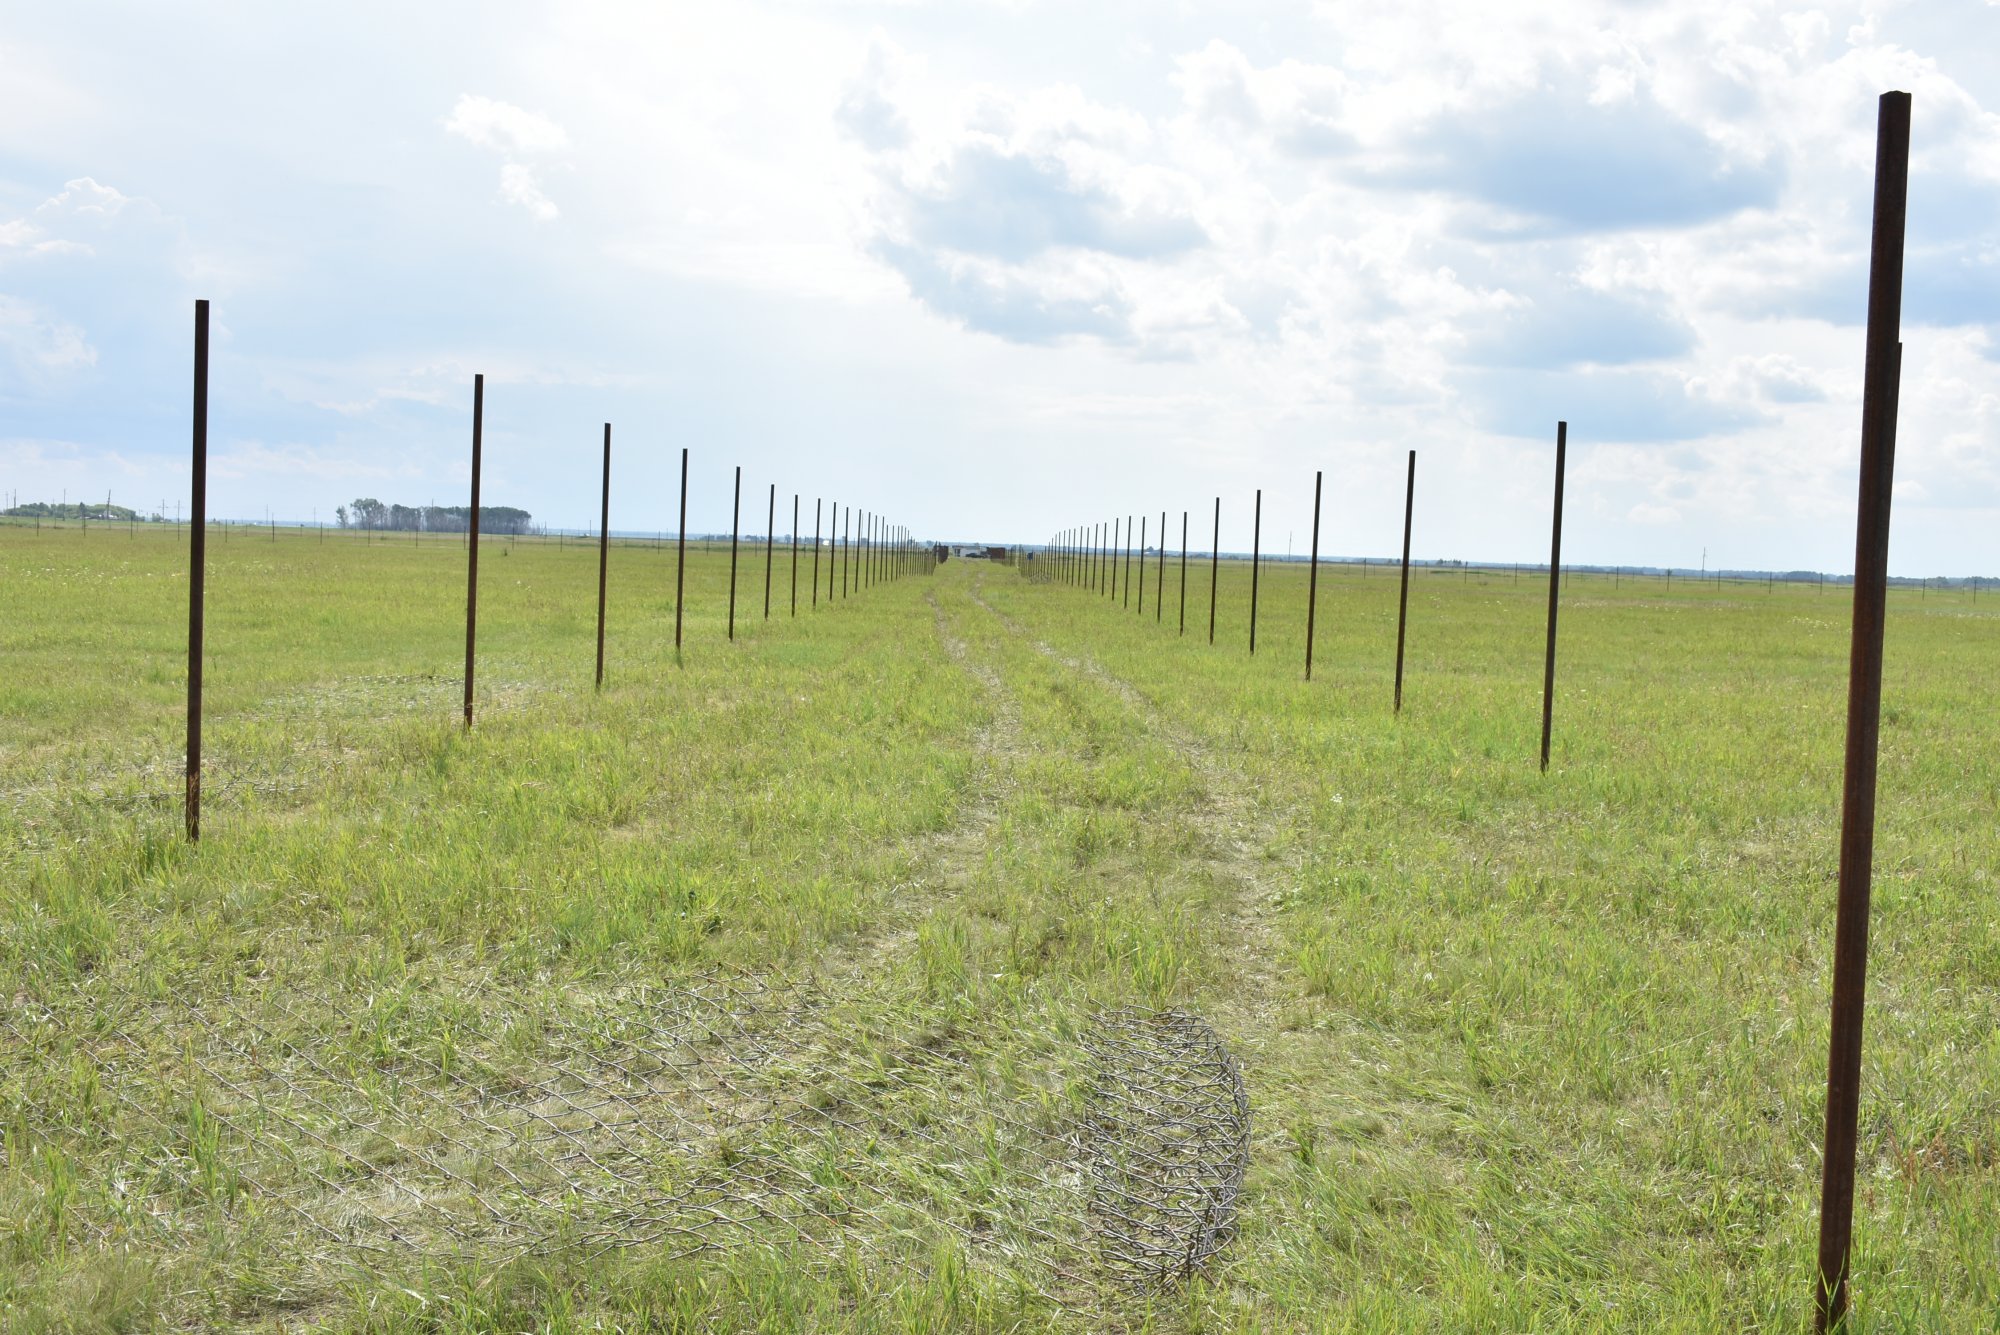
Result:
[
  {"x": 881, "y": 552},
  {"x": 1094, "y": 556},
  {"x": 1089, "y": 556}
]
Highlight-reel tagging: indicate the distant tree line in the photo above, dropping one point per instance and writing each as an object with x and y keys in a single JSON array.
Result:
[
  {"x": 368, "y": 512},
  {"x": 72, "y": 510}
]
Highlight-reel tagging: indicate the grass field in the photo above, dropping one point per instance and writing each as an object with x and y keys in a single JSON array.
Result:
[{"x": 1524, "y": 1051}]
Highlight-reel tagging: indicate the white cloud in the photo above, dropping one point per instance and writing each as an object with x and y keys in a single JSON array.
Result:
[
  {"x": 84, "y": 197},
  {"x": 504, "y": 126},
  {"x": 515, "y": 133},
  {"x": 38, "y": 343},
  {"x": 519, "y": 186}
]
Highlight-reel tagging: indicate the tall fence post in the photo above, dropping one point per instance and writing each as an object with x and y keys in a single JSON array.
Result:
[
  {"x": 472, "y": 546},
  {"x": 603, "y": 553},
  {"x": 1214, "y": 567},
  {"x": 770, "y": 538},
  {"x": 735, "y": 524},
  {"x": 1880, "y": 390},
  {"x": 1117, "y": 546},
  {"x": 681, "y": 558},
  {"x": 795, "y": 553},
  {"x": 1555, "y": 596},
  {"x": 1312, "y": 579},
  {"x": 846, "y": 549},
  {"x": 1256, "y": 552},
  {"x": 1128, "y": 561},
  {"x": 1403, "y": 598},
  {"x": 816, "y": 504},
  {"x": 1160, "y": 576},
  {"x": 197, "y": 572},
  {"x": 1184, "y": 526},
  {"x": 1142, "y": 565}
]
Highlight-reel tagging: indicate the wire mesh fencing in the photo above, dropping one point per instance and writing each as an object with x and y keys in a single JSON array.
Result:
[{"x": 330, "y": 1124}]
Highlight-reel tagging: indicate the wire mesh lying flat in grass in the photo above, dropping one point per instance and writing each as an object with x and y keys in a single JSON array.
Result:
[{"x": 483, "y": 1123}]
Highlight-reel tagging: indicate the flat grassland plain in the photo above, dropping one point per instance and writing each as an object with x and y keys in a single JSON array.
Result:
[{"x": 1525, "y": 1051}]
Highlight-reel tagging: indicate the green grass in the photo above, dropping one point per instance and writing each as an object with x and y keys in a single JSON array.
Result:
[{"x": 1525, "y": 1051}]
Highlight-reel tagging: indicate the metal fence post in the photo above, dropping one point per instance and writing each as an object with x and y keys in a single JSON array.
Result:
[
  {"x": 603, "y": 553},
  {"x": 472, "y": 547},
  {"x": 1881, "y": 378},
  {"x": 1312, "y": 580},
  {"x": 1555, "y": 592},
  {"x": 1403, "y": 598},
  {"x": 197, "y": 572}
]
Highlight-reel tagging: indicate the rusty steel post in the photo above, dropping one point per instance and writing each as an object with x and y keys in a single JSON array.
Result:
[
  {"x": 603, "y": 553},
  {"x": 1184, "y": 519},
  {"x": 795, "y": 553},
  {"x": 1214, "y": 567},
  {"x": 1142, "y": 565},
  {"x": 735, "y": 523},
  {"x": 1117, "y": 545},
  {"x": 1403, "y": 597},
  {"x": 1312, "y": 579},
  {"x": 197, "y": 572},
  {"x": 1127, "y": 558},
  {"x": 472, "y": 546},
  {"x": 1555, "y": 590},
  {"x": 846, "y": 549},
  {"x": 681, "y": 557},
  {"x": 1160, "y": 576},
  {"x": 1880, "y": 390},
  {"x": 770, "y": 538},
  {"x": 1256, "y": 548},
  {"x": 816, "y": 504}
]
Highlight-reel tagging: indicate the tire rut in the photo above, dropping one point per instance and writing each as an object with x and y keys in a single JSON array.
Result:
[{"x": 1237, "y": 827}]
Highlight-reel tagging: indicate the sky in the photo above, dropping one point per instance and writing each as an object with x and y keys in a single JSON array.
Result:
[{"x": 995, "y": 269}]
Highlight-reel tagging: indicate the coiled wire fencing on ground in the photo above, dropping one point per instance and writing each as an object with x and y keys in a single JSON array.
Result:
[{"x": 480, "y": 1123}]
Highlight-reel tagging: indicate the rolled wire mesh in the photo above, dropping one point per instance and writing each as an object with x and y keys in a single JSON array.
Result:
[
  {"x": 712, "y": 1114},
  {"x": 1168, "y": 1143}
]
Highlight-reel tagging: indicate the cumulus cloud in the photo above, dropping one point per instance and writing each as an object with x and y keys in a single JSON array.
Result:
[
  {"x": 82, "y": 208},
  {"x": 519, "y": 186},
  {"x": 85, "y": 198},
  {"x": 1021, "y": 305},
  {"x": 990, "y": 200},
  {"x": 1028, "y": 218},
  {"x": 37, "y": 343},
  {"x": 25, "y": 238},
  {"x": 1565, "y": 324},
  {"x": 1534, "y": 225},
  {"x": 1602, "y": 405},
  {"x": 516, "y": 134},
  {"x": 1560, "y": 163},
  {"x": 867, "y": 110},
  {"x": 1295, "y": 106},
  {"x": 501, "y": 125}
]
